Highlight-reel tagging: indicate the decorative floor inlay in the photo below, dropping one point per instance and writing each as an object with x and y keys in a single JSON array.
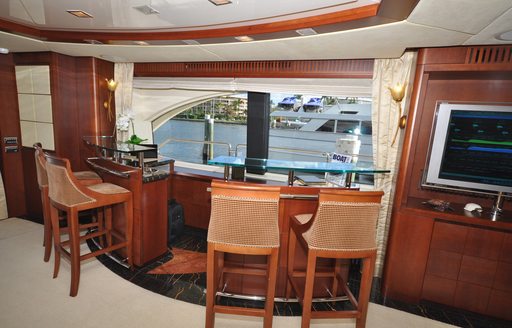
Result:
[
  {"x": 182, "y": 261},
  {"x": 174, "y": 275}
]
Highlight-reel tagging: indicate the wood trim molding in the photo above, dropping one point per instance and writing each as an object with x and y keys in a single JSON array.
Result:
[
  {"x": 343, "y": 68},
  {"x": 201, "y": 32}
]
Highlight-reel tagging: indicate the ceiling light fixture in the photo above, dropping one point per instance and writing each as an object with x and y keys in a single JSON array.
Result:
[
  {"x": 147, "y": 10},
  {"x": 306, "y": 31},
  {"x": 79, "y": 13},
  {"x": 191, "y": 42},
  {"x": 505, "y": 36},
  {"x": 93, "y": 41},
  {"x": 220, "y": 2},
  {"x": 244, "y": 38},
  {"x": 4, "y": 51}
]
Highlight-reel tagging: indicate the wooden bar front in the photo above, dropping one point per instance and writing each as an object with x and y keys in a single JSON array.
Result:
[
  {"x": 149, "y": 208},
  {"x": 190, "y": 190}
]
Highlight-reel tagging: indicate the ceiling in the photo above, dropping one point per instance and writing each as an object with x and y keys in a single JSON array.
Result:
[{"x": 345, "y": 28}]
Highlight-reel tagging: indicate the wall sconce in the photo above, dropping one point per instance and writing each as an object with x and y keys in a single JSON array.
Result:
[
  {"x": 111, "y": 85},
  {"x": 398, "y": 93}
]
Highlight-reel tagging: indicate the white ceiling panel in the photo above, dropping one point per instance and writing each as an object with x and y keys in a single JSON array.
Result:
[
  {"x": 387, "y": 41},
  {"x": 135, "y": 53},
  {"x": 17, "y": 43},
  {"x": 469, "y": 16},
  {"x": 488, "y": 35}
]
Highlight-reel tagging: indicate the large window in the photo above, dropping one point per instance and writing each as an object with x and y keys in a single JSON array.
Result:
[{"x": 302, "y": 127}]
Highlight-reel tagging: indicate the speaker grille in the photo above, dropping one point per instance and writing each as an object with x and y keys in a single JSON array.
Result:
[{"x": 489, "y": 55}]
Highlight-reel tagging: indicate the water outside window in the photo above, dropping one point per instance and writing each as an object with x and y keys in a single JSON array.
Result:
[{"x": 303, "y": 127}]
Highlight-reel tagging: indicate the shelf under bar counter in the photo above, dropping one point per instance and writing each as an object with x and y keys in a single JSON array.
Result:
[{"x": 124, "y": 165}]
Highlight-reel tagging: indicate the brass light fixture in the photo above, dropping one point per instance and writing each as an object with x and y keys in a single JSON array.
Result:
[
  {"x": 111, "y": 85},
  {"x": 398, "y": 93}
]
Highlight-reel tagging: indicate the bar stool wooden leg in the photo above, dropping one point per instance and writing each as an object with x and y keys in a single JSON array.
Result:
[
  {"x": 74, "y": 249},
  {"x": 54, "y": 217},
  {"x": 128, "y": 210},
  {"x": 308, "y": 289},
  {"x": 47, "y": 226},
  {"x": 292, "y": 244},
  {"x": 271, "y": 290},
  {"x": 211, "y": 276},
  {"x": 108, "y": 224},
  {"x": 368, "y": 264},
  {"x": 337, "y": 273}
]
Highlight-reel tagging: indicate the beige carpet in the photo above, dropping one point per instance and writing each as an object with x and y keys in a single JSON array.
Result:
[{"x": 29, "y": 297}]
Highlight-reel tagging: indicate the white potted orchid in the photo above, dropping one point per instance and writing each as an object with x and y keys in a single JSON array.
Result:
[{"x": 123, "y": 125}]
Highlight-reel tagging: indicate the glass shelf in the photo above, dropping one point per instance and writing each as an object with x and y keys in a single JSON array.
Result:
[{"x": 292, "y": 166}]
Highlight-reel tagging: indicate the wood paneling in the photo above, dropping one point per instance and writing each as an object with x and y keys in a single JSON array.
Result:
[
  {"x": 65, "y": 109},
  {"x": 12, "y": 171},
  {"x": 192, "y": 194},
  {"x": 462, "y": 74},
  {"x": 336, "y": 18},
  {"x": 149, "y": 210},
  {"x": 342, "y": 68},
  {"x": 484, "y": 243},
  {"x": 78, "y": 90},
  {"x": 32, "y": 192},
  {"x": 444, "y": 264},
  {"x": 439, "y": 289},
  {"x": 449, "y": 237},
  {"x": 500, "y": 304},
  {"x": 472, "y": 297},
  {"x": 407, "y": 257}
]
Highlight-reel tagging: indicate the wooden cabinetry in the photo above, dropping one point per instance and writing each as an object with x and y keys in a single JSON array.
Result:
[
  {"x": 451, "y": 257},
  {"x": 468, "y": 264},
  {"x": 149, "y": 208}
]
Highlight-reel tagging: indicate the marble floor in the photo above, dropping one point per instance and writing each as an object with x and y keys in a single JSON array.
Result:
[{"x": 189, "y": 287}]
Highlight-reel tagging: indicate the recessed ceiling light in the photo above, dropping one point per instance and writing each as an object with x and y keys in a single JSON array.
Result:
[
  {"x": 93, "y": 41},
  {"x": 220, "y": 2},
  {"x": 79, "y": 13},
  {"x": 191, "y": 42},
  {"x": 505, "y": 36},
  {"x": 141, "y": 43},
  {"x": 147, "y": 10},
  {"x": 306, "y": 31},
  {"x": 244, "y": 38}
]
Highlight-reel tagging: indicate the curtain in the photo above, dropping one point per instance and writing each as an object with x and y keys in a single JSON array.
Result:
[
  {"x": 385, "y": 113},
  {"x": 123, "y": 75},
  {"x": 3, "y": 201}
]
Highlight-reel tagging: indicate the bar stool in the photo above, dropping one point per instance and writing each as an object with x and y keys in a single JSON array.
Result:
[
  {"x": 68, "y": 195},
  {"x": 343, "y": 227},
  {"x": 84, "y": 177},
  {"x": 244, "y": 220}
]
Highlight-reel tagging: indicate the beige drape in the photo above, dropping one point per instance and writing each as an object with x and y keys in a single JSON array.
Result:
[
  {"x": 385, "y": 112},
  {"x": 123, "y": 74},
  {"x": 3, "y": 201}
]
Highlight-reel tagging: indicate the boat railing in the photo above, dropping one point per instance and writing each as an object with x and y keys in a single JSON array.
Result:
[
  {"x": 230, "y": 149},
  {"x": 237, "y": 150}
]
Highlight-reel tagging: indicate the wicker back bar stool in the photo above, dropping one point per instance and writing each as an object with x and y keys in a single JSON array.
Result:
[
  {"x": 244, "y": 220},
  {"x": 343, "y": 227},
  {"x": 68, "y": 195},
  {"x": 85, "y": 178}
]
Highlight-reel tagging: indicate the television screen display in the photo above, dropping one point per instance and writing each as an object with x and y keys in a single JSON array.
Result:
[{"x": 471, "y": 148}]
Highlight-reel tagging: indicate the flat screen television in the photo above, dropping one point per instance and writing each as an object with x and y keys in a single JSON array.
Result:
[{"x": 471, "y": 148}]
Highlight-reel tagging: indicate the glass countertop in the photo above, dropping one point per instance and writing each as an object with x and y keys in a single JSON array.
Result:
[
  {"x": 109, "y": 143},
  {"x": 312, "y": 167}
]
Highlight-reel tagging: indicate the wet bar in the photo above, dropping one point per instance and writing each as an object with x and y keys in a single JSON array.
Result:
[{"x": 124, "y": 165}]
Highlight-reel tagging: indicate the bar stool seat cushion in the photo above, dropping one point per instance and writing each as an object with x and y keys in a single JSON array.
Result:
[
  {"x": 86, "y": 175},
  {"x": 108, "y": 188}
]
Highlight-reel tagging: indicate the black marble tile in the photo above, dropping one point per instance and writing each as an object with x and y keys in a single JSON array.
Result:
[{"x": 191, "y": 288}]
